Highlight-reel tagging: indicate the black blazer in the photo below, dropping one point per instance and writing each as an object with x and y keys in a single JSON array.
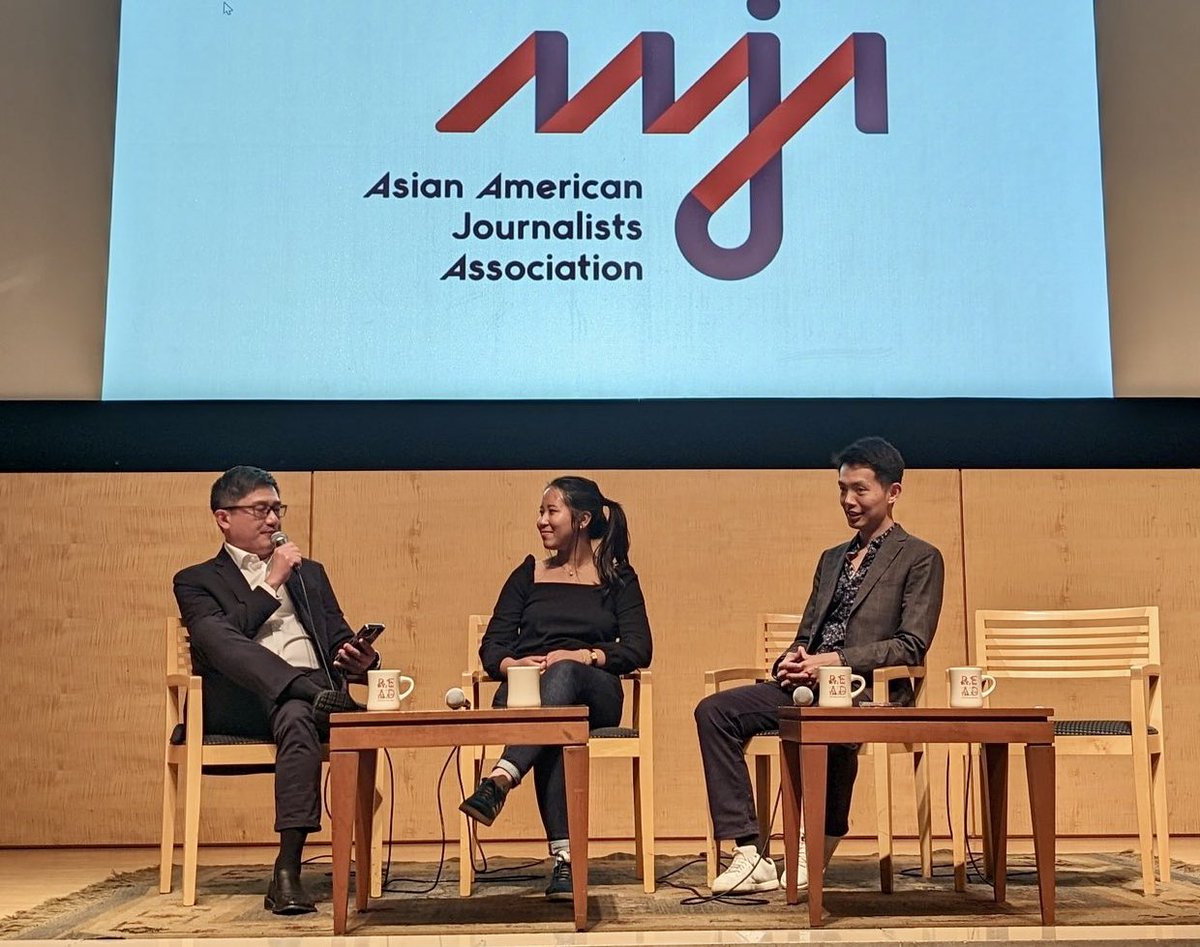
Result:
[
  {"x": 894, "y": 615},
  {"x": 223, "y": 614}
]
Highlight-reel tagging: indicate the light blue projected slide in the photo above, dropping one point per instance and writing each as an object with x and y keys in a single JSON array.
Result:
[{"x": 536, "y": 199}]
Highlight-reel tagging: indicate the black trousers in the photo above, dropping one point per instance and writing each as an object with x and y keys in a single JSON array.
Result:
[
  {"x": 565, "y": 684},
  {"x": 297, "y": 733},
  {"x": 724, "y": 722}
]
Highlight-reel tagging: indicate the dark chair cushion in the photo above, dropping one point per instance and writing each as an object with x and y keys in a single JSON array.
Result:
[
  {"x": 608, "y": 733},
  {"x": 233, "y": 739},
  {"x": 1095, "y": 728},
  {"x": 179, "y": 737}
]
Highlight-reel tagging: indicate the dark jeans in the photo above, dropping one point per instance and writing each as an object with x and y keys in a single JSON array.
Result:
[
  {"x": 724, "y": 722},
  {"x": 293, "y": 727},
  {"x": 564, "y": 684}
]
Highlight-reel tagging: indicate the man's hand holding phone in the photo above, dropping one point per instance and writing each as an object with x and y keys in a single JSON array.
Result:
[{"x": 356, "y": 656}]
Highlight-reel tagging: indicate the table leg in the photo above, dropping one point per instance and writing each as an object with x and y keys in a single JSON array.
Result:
[
  {"x": 343, "y": 770},
  {"x": 883, "y": 813},
  {"x": 364, "y": 806},
  {"x": 996, "y": 817},
  {"x": 814, "y": 763},
  {"x": 985, "y": 828},
  {"x": 960, "y": 759},
  {"x": 790, "y": 783},
  {"x": 1039, "y": 766},
  {"x": 575, "y": 771}
]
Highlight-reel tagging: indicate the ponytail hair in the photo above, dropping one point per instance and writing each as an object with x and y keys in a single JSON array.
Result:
[{"x": 608, "y": 525}]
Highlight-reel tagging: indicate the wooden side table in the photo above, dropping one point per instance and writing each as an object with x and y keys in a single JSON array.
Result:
[
  {"x": 806, "y": 734},
  {"x": 354, "y": 739}
]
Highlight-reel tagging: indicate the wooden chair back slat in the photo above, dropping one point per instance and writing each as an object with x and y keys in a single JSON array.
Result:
[
  {"x": 777, "y": 631},
  {"x": 1080, "y": 643}
]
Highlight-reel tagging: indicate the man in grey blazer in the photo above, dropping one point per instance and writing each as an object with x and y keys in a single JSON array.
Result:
[{"x": 875, "y": 602}]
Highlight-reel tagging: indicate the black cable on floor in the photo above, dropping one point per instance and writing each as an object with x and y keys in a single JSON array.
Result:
[
  {"x": 972, "y": 866},
  {"x": 749, "y": 899},
  {"x": 437, "y": 878}
]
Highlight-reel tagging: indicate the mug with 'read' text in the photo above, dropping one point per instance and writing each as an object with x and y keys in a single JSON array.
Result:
[
  {"x": 386, "y": 689},
  {"x": 839, "y": 686},
  {"x": 969, "y": 686}
]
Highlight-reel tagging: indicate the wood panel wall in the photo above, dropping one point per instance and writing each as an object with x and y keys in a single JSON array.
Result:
[
  {"x": 1095, "y": 539},
  {"x": 86, "y": 562}
]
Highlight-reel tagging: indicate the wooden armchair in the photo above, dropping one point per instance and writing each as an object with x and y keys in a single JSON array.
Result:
[
  {"x": 192, "y": 753},
  {"x": 1115, "y": 644},
  {"x": 775, "y": 633},
  {"x": 634, "y": 743}
]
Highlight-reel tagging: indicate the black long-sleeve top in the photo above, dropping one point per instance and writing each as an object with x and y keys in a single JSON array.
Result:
[{"x": 540, "y": 617}]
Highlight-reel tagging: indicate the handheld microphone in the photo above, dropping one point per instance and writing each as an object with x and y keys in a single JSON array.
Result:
[
  {"x": 802, "y": 696},
  {"x": 278, "y": 538},
  {"x": 457, "y": 700}
]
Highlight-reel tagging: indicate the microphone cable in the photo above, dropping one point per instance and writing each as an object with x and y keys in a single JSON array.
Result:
[
  {"x": 312, "y": 634},
  {"x": 278, "y": 538},
  {"x": 483, "y": 874},
  {"x": 744, "y": 899}
]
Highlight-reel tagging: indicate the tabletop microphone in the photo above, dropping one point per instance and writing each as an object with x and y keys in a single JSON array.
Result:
[
  {"x": 802, "y": 696},
  {"x": 456, "y": 699}
]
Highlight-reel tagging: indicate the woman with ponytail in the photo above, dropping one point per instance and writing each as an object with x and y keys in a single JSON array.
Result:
[{"x": 579, "y": 616}]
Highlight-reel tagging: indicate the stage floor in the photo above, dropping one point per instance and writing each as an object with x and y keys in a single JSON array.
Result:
[{"x": 29, "y": 877}]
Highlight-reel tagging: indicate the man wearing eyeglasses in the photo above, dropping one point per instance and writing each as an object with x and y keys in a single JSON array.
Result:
[{"x": 270, "y": 641}]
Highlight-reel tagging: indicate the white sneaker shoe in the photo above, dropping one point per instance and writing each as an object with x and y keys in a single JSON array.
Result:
[
  {"x": 831, "y": 844},
  {"x": 748, "y": 873}
]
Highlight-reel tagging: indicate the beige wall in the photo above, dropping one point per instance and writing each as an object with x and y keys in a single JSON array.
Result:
[
  {"x": 57, "y": 76},
  {"x": 1149, "y": 71},
  {"x": 86, "y": 562}
]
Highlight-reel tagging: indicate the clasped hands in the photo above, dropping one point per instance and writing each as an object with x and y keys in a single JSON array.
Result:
[
  {"x": 543, "y": 661},
  {"x": 799, "y": 667}
]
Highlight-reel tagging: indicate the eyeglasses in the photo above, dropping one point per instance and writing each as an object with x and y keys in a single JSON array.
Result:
[{"x": 260, "y": 511}]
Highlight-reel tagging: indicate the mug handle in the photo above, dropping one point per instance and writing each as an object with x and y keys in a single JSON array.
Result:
[
  {"x": 860, "y": 681},
  {"x": 411, "y": 684},
  {"x": 988, "y": 684}
]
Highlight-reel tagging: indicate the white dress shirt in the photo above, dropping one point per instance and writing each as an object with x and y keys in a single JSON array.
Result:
[{"x": 282, "y": 632}]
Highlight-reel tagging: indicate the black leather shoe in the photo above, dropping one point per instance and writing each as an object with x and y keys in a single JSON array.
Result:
[
  {"x": 286, "y": 895},
  {"x": 336, "y": 702},
  {"x": 560, "y": 887},
  {"x": 485, "y": 803}
]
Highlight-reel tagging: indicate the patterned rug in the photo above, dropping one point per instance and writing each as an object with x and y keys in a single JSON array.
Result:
[{"x": 1092, "y": 890}]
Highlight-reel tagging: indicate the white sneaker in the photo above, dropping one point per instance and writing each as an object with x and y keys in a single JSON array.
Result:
[
  {"x": 748, "y": 873},
  {"x": 831, "y": 844}
]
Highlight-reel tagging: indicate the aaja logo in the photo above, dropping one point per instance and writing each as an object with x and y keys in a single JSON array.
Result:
[{"x": 757, "y": 159}]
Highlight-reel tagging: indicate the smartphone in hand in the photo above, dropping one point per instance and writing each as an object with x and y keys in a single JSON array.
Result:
[{"x": 367, "y": 634}]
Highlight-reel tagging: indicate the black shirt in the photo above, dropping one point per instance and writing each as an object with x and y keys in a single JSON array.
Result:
[{"x": 540, "y": 617}]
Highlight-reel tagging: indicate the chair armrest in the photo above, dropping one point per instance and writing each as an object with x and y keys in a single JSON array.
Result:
[
  {"x": 1147, "y": 670},
  {"x": 714, "y": 679},
  {"x": 179, "y": 680},
  {"x": 898, "y": 672}
]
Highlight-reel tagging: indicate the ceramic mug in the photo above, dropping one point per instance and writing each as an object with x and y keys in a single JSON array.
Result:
[
  {"x": 839, "y": 686},
  {"x": 969, "y": 686},
  {"x": 384, "y": 689},
  {"x": 524, "y": 686}
]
